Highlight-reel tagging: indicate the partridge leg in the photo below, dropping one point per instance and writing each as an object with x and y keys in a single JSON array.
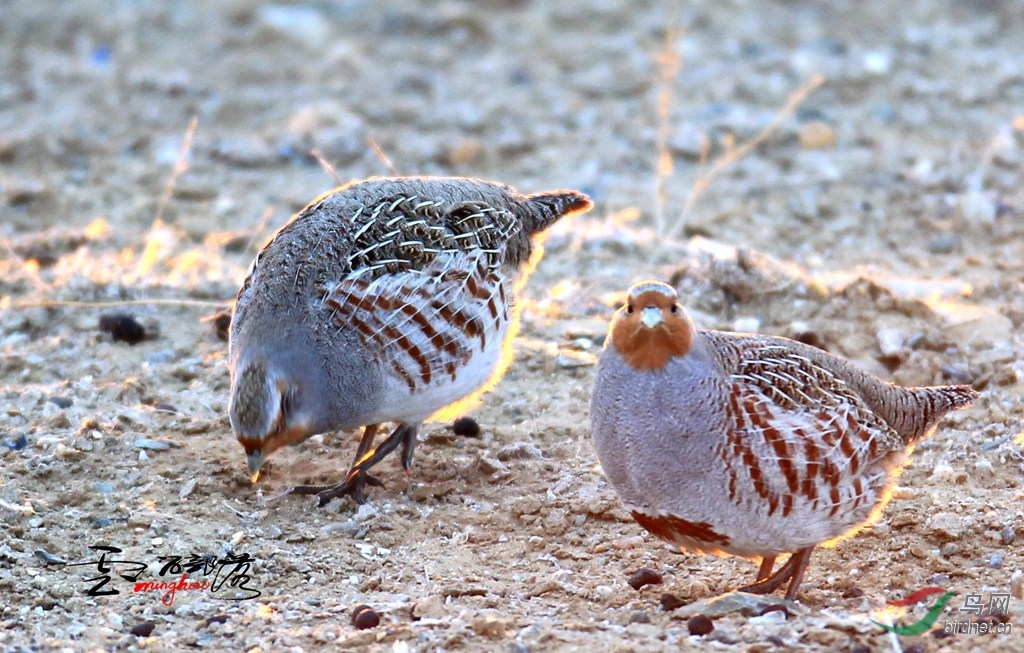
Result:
[
  {"x": 793, "y": 571},
  {"x": 766, "y": 568},
  {"x": 408, "y": 448},
  {"x": 358, "y": 477},
  {"x": 365, "y": 442}
]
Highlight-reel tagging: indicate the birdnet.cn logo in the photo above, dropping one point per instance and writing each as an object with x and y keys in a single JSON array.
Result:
[{"x": 990, "y": 617}]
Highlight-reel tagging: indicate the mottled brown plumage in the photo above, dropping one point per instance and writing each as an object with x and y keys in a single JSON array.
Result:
[{"x": 748, "y": 445}]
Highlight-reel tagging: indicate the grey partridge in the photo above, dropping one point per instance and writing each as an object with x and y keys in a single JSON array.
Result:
[
  {"x": 385, "y": 300},
  {"x": 748, "y": 445}
]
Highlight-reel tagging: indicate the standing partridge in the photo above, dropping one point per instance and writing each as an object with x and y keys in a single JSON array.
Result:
[
  {"x": 383, "y": 300},
  {"x": 748, "y": 445}
]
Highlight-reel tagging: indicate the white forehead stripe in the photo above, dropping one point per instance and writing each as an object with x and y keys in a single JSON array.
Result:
[{"x": 653, "y": 286}]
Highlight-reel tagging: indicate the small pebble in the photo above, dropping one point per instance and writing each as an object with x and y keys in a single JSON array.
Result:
[
  {"x": 144, "y": 629},
  {"x": 945, "y": 244},
  {"x": 466, "y": 427},
  {"x": 123, "y": 327},
  {"x": 1008, "y": 535},
  {"x": 890, "y": 341},
  {"x": 1017, "y": 584},
  {"x": 808, "y": 337},
  {"x": 49, "y": 558},
  {"x": 995, "y": 561},
  {"x": 429, "y": 607},
  {"x": 947, "y": 525},
  {"x": 670, "y": 602},
  {"x": 154, "y": 445},
  {"x": 363, "y": 616},
  {"x": 518, "y": 451},
  {"x": 644, "y": 576},
  {"x": 187, "y": 487},
  {"x": 817, "y": 135},
  {"x": 215, "y": 619},
  {"x": 639, "y": 617},
  {"x": 62, "y": 402},
  {"x": 949, "y": 549},
  {"x": 700, "y": 625}
]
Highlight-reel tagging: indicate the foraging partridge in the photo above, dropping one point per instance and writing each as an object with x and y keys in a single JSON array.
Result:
[
  {"x": 748, "y": 445},
  {"x": 383, "y": 300}
]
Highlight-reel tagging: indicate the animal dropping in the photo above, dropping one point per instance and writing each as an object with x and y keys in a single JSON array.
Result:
[
  {"x": 748, "y": 445},
  {"x": 389, "y": 299}
]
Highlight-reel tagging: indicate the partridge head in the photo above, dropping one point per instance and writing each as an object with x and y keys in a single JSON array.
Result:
[
  {"x": 748, "y": 445},
  {"x": 383, "y": 300}
]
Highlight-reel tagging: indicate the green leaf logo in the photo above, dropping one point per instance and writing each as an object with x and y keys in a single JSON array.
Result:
[{"x": 925, "y": 622}]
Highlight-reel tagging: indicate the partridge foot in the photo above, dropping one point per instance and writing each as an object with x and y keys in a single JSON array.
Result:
[
  {"x": 367, "y": 456},
  {"x": 353, "y": 486},
  {"x": 793, "y": 571}
]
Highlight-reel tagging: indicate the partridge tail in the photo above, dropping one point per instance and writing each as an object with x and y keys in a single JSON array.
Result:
[
  {"x": 543, "y": 209},
  {"x": 931, "y": 404}
]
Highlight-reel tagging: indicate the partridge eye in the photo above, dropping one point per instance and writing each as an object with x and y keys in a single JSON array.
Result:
[
  {"x": 675, "y": 308},
  {"x": 629, "y": 308}
]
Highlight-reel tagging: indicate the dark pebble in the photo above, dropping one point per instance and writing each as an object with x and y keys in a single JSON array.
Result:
[
  {"x": 43, "y": 256},
  {"x": 939, "y": 633},
  {"x": 700, "y": 624},
  {"x": 123, "y": 327},
  {"x": 857, "y": 648},
  {"x": 670, "y": 602},
  {"x": 915, "y": 648},
  {"x": 222, "y": 324},
  {"x": 144, "y": 629},
  {"x": 644, "y": 576},
  {"x": 62, "y": 402},
  {"x": 775, "y": 639},
  {"x": 812, "y": 338},
  {"x": 467, "y": 427},
  {"x": 363, "y": 616}
]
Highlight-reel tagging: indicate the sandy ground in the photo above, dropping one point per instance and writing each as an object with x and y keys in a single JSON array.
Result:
[{"x": 880, "y": 216}]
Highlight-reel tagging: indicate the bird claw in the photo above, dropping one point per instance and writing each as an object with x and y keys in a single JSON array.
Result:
[
  {"x": 792, "y": 571},
  {"x": 354, "y": 486}
]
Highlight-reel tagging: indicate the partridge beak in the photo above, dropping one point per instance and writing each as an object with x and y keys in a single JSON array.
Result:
[
  {"x": 255, "y": 458},
  {"x": 651, "y": 316}
]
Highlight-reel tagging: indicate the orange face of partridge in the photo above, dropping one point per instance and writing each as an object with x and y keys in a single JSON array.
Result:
[{"x": 651, "y": 328}]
